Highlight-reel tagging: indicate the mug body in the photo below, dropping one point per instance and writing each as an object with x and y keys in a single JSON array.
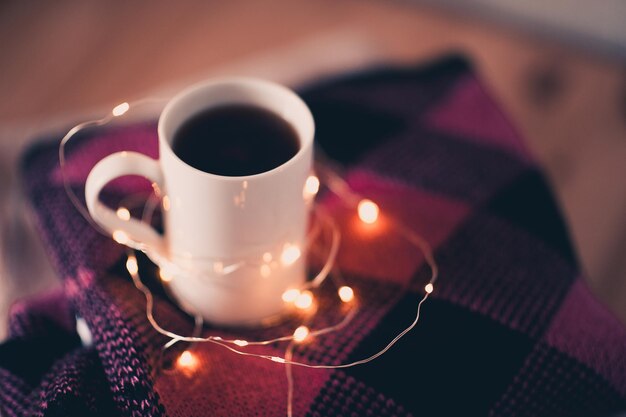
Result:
[{"x": 244, "y": 237}]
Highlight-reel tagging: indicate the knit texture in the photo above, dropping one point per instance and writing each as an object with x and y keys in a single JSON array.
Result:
[{"x": 510, "y": 330}]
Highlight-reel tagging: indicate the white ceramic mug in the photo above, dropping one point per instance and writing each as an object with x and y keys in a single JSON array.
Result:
[{"x": 245, "y": 235}]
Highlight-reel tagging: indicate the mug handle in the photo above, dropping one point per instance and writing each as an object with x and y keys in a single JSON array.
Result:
[{"x": 114, "y": 166}]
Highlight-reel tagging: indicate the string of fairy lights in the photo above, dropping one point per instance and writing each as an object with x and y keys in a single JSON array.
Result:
[{"x": 300, "y": 302}]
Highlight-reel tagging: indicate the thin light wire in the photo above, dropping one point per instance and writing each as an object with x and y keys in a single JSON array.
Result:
[
  {"x": 337, "y": 185},
  {"x": 315, "y": 282},
  {"x": 340, "y": 187},
  {"x": 289, "y": 374},
  {"x": 224, "y": 343},
  {"x": 332, "y": 254},
  {"x": 150, "y": 315},
  {"x": 152, "y": 202},
  {"x": 63, "y": 160},
  {"x": 68, "y": 190},
  {"x": 414, "y": 239}
]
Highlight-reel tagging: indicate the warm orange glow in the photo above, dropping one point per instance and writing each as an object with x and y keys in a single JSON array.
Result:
[
  {"x": 290, "y": 254},
  {"x": 429, "y": 288},
  {"x": 123, "y": 213},
  {"x": 166, "y": 203},
  {"x": 120, "y": 237},
  {"x": 304, "y": 300},
  {"x": 131, "y": 265},
  {"x": 290, "y": 295},
  {"x": 156, "y": 189},
  {"x": 267, "y": 257},
  {"x": 368, "y": 211},
  {"x": 266, "y": 271},
  {"x": 218, "y": 267},
  {"x": 346, "y": 294},
  {"x": 187, "y": 360},
  {"x": 165, "y": 275},
  {"x": 120, "y": 109},
  {"x": 311, "y": 186},
  {"x": 301, "y": 333}
]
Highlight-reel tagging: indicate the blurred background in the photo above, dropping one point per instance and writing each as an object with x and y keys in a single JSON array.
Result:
[{"x": 557, "y": 68}]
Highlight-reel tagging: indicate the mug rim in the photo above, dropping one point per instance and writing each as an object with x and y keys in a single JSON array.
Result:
[{"x": 306, "y": 139}]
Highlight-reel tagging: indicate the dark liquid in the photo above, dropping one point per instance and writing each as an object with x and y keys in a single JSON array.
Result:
[{"x": 235, "y": 140}]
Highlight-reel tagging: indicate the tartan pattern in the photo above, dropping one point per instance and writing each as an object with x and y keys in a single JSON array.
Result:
[{"x": 511, "y": 328}]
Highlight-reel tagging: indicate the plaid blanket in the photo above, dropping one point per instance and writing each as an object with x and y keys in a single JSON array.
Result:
[{"x": 510, "y": 330}]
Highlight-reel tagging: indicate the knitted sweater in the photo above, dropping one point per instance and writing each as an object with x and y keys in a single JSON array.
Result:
[{"x": 510, "y": 330}]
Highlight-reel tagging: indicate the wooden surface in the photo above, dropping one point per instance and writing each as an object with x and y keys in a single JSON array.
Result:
[{"x": 61, "y": 60}]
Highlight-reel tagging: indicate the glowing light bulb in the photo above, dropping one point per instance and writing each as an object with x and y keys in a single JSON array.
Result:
[
  {"x": 240, "y": 342},
  {"x": 346, "y": 294},
  {"x": 290, "y": 254},
  {"x": 277, "y": 359},
  {"x": 166, "y": 203},
  {"x": 301, "y": 333},
  {"x": 304, "y": 300},
  {"x": 166, "y": 276},
  {"x": 267, "y": 257},
  {"x": 156, "y": 189},
  {"x": 429, "y": 288},
  {"x": 187, "y": 360},
  {"x": 266, "y": 271},
  {"x": 123, "y": 213},
  {"x": 368, "y": 211},
  {"x": 120, "y": 237},
  {"x": 131, "y": 265},
  {"x": 120, "y": 109},
  {"x": 290, "y": 295},
  {"x": 82, "y": 328},
  {"x": 311, "y": 186}
]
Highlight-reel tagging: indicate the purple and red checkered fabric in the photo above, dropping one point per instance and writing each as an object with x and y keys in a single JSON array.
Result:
[{"x": 511, "y": 329}]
